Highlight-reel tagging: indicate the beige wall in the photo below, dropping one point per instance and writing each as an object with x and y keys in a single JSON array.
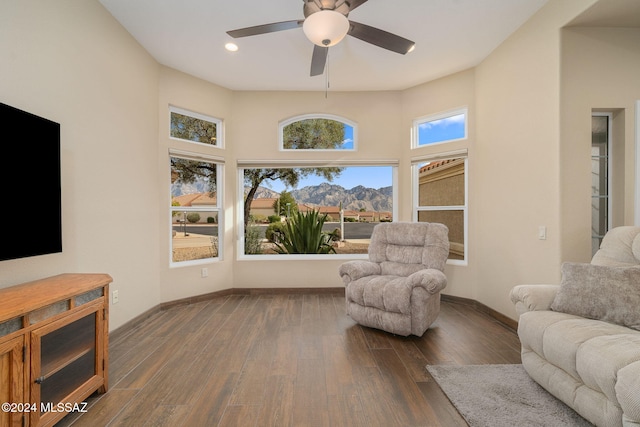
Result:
[
  {"x": 599, "y": 71},
  {"x": 516, "y": 169},
  {"x": 71, "y": 62}
]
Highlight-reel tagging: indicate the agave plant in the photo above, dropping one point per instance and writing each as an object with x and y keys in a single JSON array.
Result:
[{"x": 302, "y": 234}]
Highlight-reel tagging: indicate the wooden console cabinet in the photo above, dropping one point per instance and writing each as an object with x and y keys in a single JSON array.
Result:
[{"x": 54, "y": 340}]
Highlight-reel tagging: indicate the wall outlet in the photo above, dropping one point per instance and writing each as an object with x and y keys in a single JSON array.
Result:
[
  {"x": 204, "y": 272},
  {"x": 115, "y": 297}
]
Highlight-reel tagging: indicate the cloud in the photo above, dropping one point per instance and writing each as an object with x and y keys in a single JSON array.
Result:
[
  {"x": 347, "y": 143},
  {"x": 447, "y": 121}
]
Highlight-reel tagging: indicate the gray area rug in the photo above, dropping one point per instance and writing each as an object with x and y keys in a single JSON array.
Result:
[{"x": 501, "y": 395}]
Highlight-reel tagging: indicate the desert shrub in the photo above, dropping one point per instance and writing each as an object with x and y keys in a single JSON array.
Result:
[
  {"x": 193, "y": 217},
  {"x": 302, "y": 234},
  {"x": 274, "y": 218},
  {"x": 258, "y": 218},
  {"x": 274, "y": 232},
  {"x": 211, "y": 220},
  {"x": 252, "y": 240}
]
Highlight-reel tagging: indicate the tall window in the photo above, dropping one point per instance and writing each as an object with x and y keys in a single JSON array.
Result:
[
  {"x": 196, "y": 214},
  {"x": 600, "y": 200},
  {"x": 440, "y": 195},
  {"x": 350, "y": 198},
  {"x": 438, "y": 128},
  {"x": 194, "y": 127},
  {"x": 196, "y": 183},
  {"x": 318, "y": 132}
]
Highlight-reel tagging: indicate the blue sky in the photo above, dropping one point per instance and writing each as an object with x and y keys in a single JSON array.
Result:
[
  {"x": 347, "y": 144},
  {"x": 445, "y": 129}
]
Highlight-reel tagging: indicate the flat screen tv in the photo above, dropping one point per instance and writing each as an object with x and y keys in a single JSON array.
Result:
[{"x": 31, "y": 213}]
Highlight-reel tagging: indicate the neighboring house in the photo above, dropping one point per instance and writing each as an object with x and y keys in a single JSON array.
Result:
[
  {"x": 263, "y": 207},
  {"x": 198, "y": 200},
  {"x": 441, "y": 183},
  {"x": 333, "y": 212},
  {"x": 354, "y": 215},
  {"x": 367, "y": 216},
  {"x": 305, "y": 208},
  {"x": 385, "y": 216}
]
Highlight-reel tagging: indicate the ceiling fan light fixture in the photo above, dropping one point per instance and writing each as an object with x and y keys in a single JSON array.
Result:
[{"x": 326, "y": 27}]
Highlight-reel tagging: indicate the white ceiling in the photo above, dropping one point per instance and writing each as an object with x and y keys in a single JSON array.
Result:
[{"x": 189, "y": 35}]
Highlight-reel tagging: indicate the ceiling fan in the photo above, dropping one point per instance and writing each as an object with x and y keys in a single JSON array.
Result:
[{"x": 325, "y": 25}]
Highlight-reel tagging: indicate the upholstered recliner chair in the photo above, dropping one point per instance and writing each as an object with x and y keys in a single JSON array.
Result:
[{"x": 398, "y": 288}]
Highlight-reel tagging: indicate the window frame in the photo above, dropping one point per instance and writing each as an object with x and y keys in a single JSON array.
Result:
[
  {"x": 416, "y": 162},
  {"x": 251, "y": 164},
  {"x": 283, "y": 123},
  {"x": 608, "y": 191},
  {"x": 218, "y": 207},
  {"x": 218, "y": 122},
  {"x": 415, "y": 132}
]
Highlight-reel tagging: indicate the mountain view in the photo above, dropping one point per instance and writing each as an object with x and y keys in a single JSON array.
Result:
[
  {"x": 355, "y": 199},
  {"x": 325, "y": 194}
]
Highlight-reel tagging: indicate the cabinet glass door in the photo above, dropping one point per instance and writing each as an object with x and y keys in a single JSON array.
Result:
[
  {"x": 67, "y": 358},
  {"x": 64, "y": 361}
]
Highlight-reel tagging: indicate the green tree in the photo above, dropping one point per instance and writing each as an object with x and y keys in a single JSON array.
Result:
[
  {"x": 193, "y": 129},
  {"x": 190, "y": 171},
  {"x": 313, "y": 134},
  {"x": 285, "y": 205},
  {"x": 197, "y": 130}
]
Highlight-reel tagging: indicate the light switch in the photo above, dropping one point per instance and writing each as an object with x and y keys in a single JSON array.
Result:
[{"x": 542, "y": 232}]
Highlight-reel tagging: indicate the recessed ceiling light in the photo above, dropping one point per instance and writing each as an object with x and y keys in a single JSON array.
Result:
[{"x": 231, "y": 47}]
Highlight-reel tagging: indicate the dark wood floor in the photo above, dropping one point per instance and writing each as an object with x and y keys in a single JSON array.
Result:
[{"x": 287, "y": 360}]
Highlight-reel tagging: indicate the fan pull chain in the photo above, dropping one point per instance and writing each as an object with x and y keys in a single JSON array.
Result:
[{"x": 326, "y": 76}]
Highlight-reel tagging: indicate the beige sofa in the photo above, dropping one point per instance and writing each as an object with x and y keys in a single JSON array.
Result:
[{"x": 581, "y": 339}]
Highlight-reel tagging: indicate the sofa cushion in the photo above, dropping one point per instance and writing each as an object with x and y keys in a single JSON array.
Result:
[
  {"x": 617, "y": 248},
  {"x": 627, "y": 388},
  {"x": 386, "y": 293},
  {"x": 563, "y": 340},
  {"x": 599, "y": 359},
  {"x": 533, "y": 324},
  {"x": 410, "y": 243},
  {"x": 600, "y": 292}
]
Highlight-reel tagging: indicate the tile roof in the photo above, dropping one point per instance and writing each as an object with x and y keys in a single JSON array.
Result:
[{"x": 195, "y": 199}]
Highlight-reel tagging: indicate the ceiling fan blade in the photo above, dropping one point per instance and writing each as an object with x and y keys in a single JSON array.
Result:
[
  {"x": 354, "y": 3},
  {"x": 265, "y": 28},
  {"x": 318, "y": 60},
  {"x": 380, "y": 38}
]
